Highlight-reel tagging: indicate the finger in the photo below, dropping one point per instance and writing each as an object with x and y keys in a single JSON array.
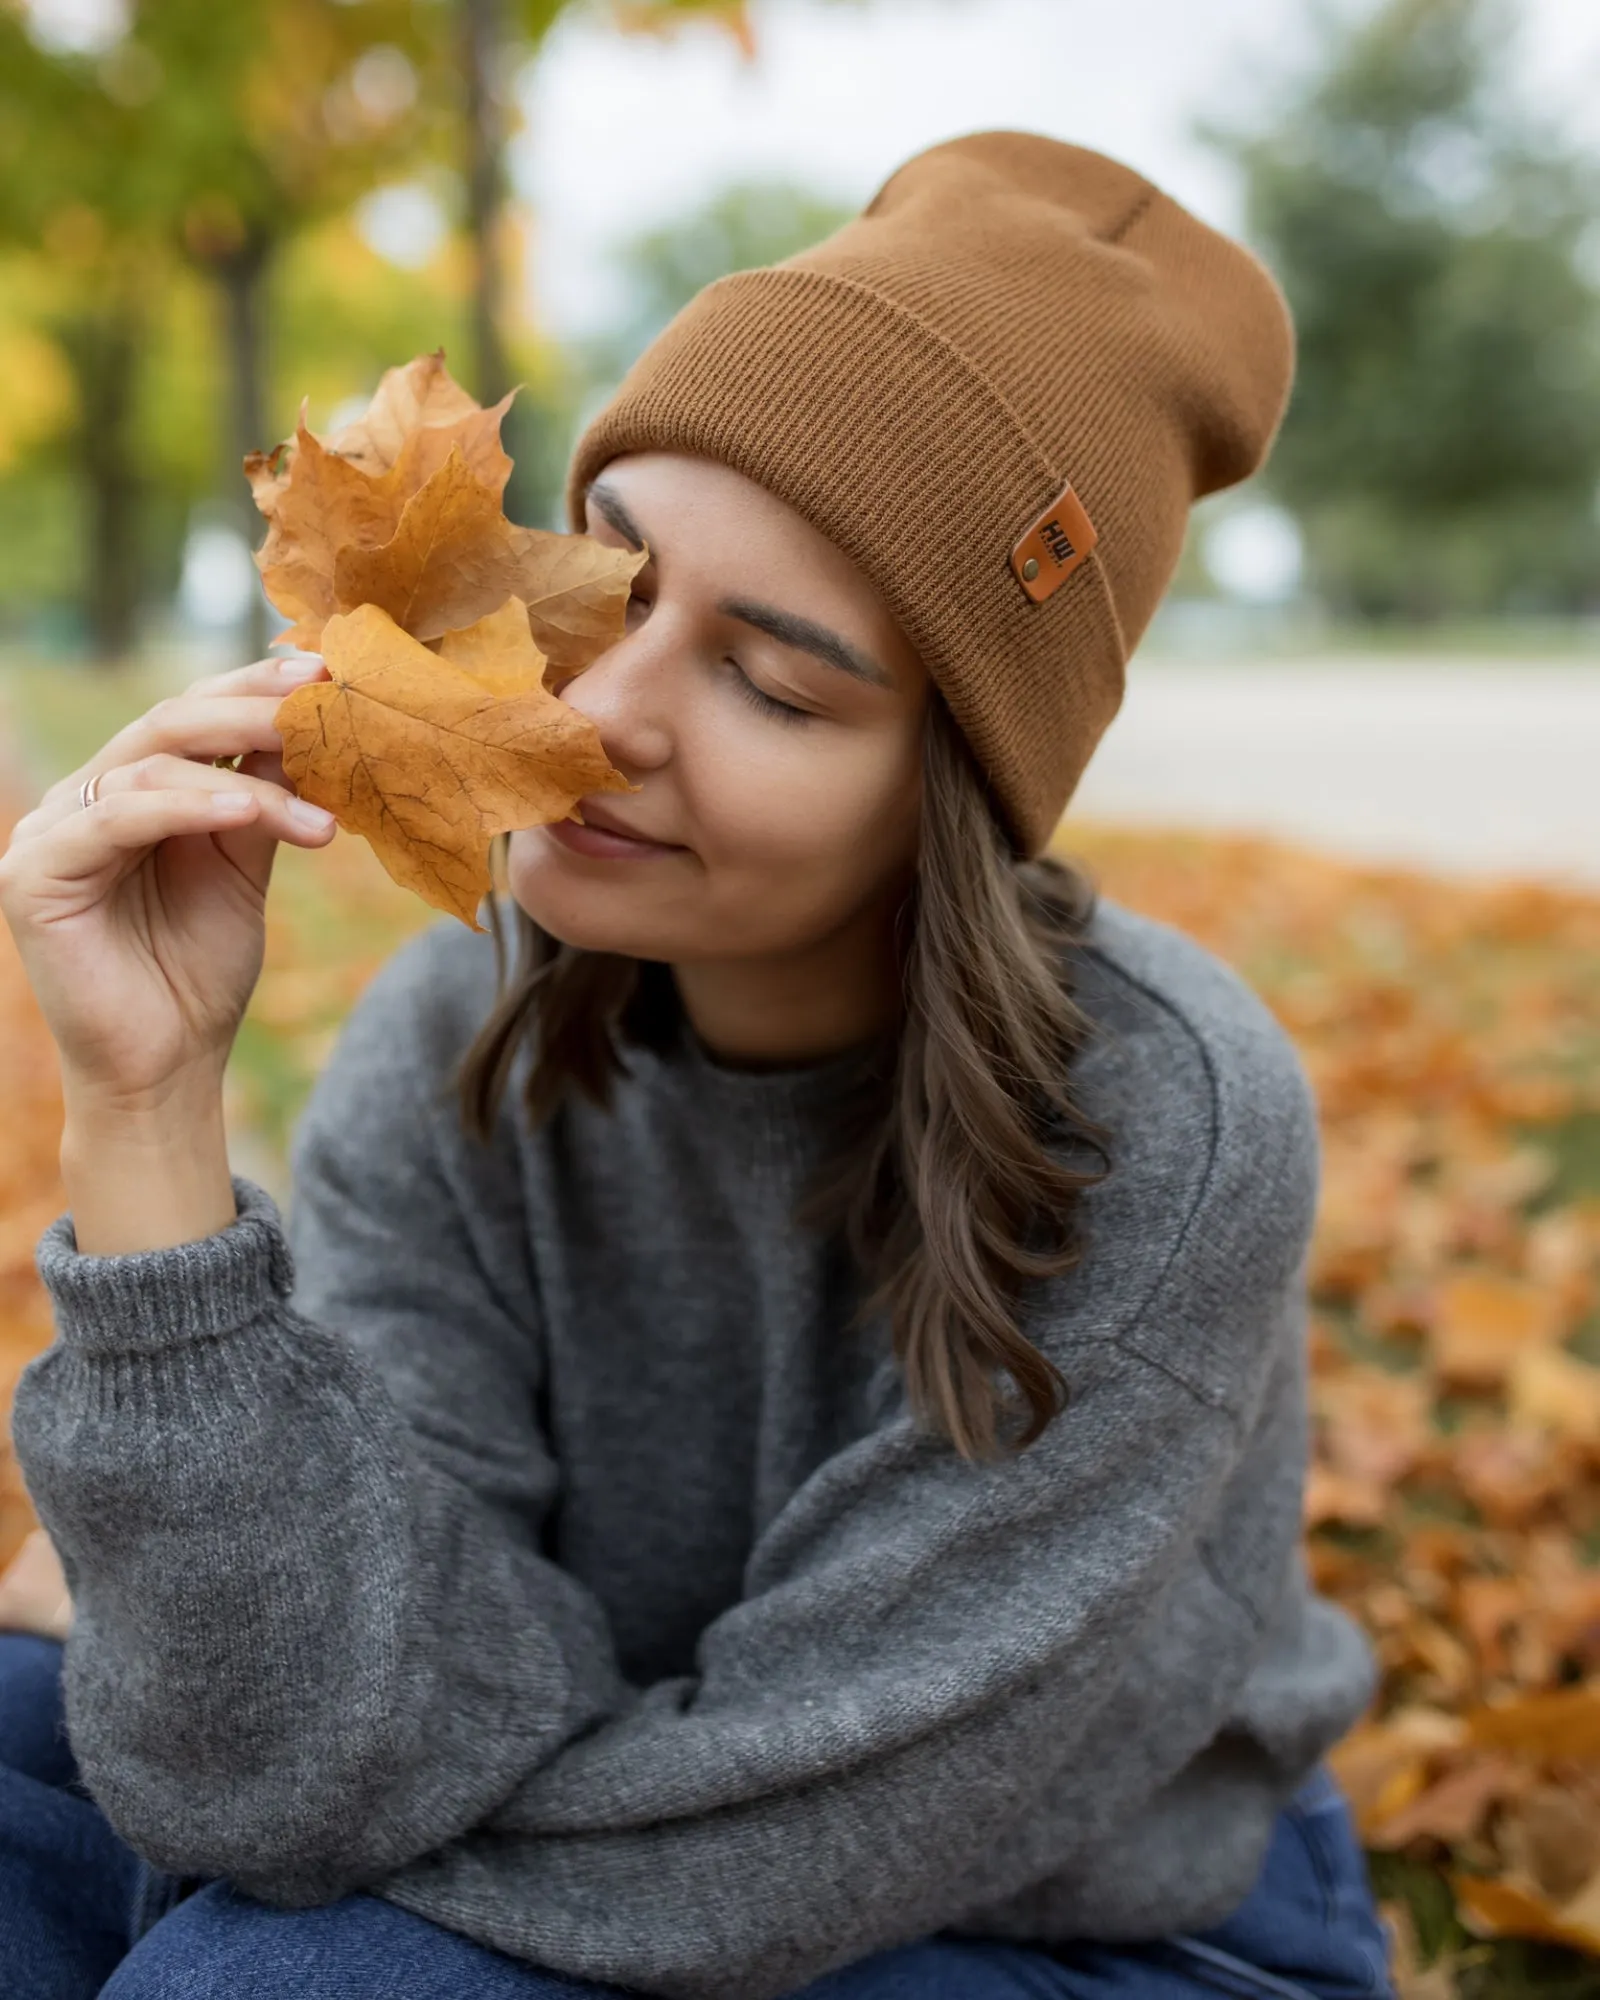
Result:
[
  {"x": 86, "y": 843},
  {"x": 262, "y": 676},
  {"x": 203, "y": 727},
  {"x": 282, "y": 814},
  {"x": 265, "y": 679}
]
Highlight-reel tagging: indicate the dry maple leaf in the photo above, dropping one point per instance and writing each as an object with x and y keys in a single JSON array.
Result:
[
  {"x": 422, "y": 398},
  {"x": 390, "y": 533},
  {"x": 1484, "y": 1322},
  {"x": 455, "y": 556},
  {"x": 428, "y": 755},
  {"x": 419, "y": 405},
  {"x": 403, "y": 508},
  {"x": 1512, "y": 1909},
  {"x": 327, "y": 505},
  {"x": 319, "y": 493}
]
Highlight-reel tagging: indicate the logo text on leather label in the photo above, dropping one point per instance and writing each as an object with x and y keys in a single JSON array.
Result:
[{"x": 1054, "y": 544}]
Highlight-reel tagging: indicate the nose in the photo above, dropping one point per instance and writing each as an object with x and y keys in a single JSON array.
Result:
[{"x": 624, "y": 694}]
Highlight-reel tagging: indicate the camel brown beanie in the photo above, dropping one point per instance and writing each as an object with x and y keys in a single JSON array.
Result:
[{"x": 997, "y": 389}]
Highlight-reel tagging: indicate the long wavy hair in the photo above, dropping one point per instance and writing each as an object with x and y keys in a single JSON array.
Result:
[{"x": 961, "y": 1160}]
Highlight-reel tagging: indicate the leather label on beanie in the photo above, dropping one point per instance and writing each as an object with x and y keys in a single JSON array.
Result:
[{"x": 1053, "y": 546}]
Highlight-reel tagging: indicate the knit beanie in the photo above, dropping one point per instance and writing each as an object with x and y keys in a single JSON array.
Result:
[{"x": 997, "y": 390}]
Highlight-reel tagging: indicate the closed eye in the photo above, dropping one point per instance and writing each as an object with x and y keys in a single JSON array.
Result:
[
  {"x": 780, "y": 711},
  {"x": 767, "y": 704}
]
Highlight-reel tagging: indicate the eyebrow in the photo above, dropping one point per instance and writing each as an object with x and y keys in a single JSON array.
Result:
[{"x": 787, "y": 627}]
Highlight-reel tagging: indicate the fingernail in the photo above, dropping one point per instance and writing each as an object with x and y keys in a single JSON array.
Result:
[
  {"x": 299, "y": 670},
  {"x": 309, "y": 815}
]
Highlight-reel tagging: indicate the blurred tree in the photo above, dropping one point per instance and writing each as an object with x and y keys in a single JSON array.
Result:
[
  {"x": 485, "y": 124},
  {"x": 217, "y": 135},
  {"x": 497, "y": 39},
  {"x": 1442, "y": 450},
  {"x": 213, "y": 133},
  {"x": 182, "y": 139},
  {"x": 340, "y": 314},
  {"x": 752, "y": 222},
  {"x": 38, "y": 422}
]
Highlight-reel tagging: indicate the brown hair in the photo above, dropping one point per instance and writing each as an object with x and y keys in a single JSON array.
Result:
[{"x": 962, "y": 1157}]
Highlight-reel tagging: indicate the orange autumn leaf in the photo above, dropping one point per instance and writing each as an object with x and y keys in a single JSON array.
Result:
[
  {"x": 327, "y": 505},
  {"x": 1553, "y": 1835},
  {"x": 403, "y": 509},
  {"x": 429, "y": 755},
  {"x": 391, "y": 533},
  {"x": 31, "y": 1196},
  {"x": 1483, "y": 1321},
  {"x": 420, "y": 401},
  {"x": 417, "y": 405},
  {"x": 1453, "y": 1807},
  {"x": 1553, "y": 1389},
  {"x": 1504, "y": 1909},
  {"x": 1555, "y": 1722},
  {"x": 320, "y": 493},
  {"x": 1382, "y": 1765},
  {"x": 1372, "y": 1426},
  {"x": 455, "y": 556}
]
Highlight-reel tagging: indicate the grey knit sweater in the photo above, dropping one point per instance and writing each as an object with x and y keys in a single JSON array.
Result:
[{"x": 523, "y": 1540}]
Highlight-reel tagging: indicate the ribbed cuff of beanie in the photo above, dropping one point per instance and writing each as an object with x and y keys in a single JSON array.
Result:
[{"x": 140, "y": 1301}]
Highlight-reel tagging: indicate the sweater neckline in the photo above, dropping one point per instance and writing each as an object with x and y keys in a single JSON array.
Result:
[
  {"x": 793, "y": 1105},
  {"x": 814, "y": 1078}
]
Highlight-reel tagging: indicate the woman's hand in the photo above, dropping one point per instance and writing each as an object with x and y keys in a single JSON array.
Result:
[{"x": 140, "y": 920}]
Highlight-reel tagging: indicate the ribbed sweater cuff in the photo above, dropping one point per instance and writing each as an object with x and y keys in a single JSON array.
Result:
[{"x": 138, "y": 1301}]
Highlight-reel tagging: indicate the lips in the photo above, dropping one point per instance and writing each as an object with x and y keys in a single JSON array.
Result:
[{"x": 596, "y": 815}]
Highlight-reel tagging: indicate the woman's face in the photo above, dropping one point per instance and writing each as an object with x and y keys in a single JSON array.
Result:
[{"x": 770, "y": 710}]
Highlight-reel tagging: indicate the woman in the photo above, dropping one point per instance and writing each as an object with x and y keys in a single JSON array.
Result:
[{"x": 769, "y": 1458}]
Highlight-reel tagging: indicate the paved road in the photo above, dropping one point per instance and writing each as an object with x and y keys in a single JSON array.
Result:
[{"x": 1469, "y": 768}]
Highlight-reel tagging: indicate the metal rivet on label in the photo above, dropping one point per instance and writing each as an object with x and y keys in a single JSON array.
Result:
[{"x": 1030, "y": 569}]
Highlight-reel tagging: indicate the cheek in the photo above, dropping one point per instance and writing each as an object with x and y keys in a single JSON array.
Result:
[
  {"x": 809, "y": 816},
  {"x": 792, "y": 830},
  {"x": 808, "y": 810}
]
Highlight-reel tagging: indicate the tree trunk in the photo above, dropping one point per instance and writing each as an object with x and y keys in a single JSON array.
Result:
[
  {"x": 241, "y": 278},
  {"x": 482, "y": 48},
  {"x": 485, "y": 49},
  {"x": 103, "y": 349}
]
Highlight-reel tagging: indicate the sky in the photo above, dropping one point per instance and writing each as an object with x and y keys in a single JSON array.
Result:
[{"x": 625, "y": 132}]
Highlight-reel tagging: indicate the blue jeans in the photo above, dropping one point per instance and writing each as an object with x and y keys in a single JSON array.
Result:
[{"x": 81, "y": 1914}]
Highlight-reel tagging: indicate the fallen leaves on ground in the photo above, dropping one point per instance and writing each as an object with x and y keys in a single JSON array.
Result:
[
  {"x": 389, "y": 546},
  {"x": 1452, "y": 1033}
]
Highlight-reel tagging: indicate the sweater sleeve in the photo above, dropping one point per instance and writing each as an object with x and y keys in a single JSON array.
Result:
[{"x": 296, "y": 1483}]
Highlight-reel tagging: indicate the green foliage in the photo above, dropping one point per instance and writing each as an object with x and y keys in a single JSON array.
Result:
[
  {"x": 196, "y": 145},
  {"x": 208, "y": 122},
  {"x": 1442, "y": 450},
  {"x": 181, "y": 200}
]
